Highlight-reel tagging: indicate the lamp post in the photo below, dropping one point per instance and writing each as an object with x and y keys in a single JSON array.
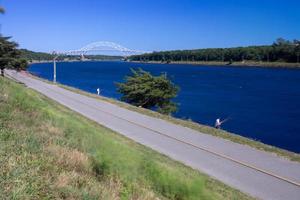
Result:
[
  {"x": 54, "y": 70},
  {"x": 54, "y": 66}
]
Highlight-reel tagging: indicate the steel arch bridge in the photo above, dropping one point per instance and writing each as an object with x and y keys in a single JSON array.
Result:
[{"x": 102, "y": 46}]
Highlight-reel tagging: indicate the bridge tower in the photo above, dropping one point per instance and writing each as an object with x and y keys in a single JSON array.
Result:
[{"x": 82, "y": 57}]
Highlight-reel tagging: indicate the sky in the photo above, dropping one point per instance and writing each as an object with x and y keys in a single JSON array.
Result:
[{"x": 150, "y": 25}]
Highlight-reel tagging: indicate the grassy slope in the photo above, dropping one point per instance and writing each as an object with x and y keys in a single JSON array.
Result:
[
  {"x": 196, "y": 126},
  {"x": 50, "y": 152}
]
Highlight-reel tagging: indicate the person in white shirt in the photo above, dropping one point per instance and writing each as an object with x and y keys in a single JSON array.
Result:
[
  {"x": 98, "y": 91},
  {"x": 218, "y": 123}
]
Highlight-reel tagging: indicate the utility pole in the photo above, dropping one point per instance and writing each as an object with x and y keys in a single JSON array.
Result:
[
  {"x": 54, "y": 66},
  {"x": 54, "y": 70}
]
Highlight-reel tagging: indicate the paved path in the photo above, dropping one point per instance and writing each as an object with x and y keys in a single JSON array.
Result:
[{"x": 260, "y": 174}]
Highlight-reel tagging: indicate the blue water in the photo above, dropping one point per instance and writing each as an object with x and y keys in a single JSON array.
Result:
[{"x": 261, "y": 103}]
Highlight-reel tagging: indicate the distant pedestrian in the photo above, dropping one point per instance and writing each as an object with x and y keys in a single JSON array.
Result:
[
  {"x": 218, "y": 123},
  {"x": 98, "y": 91}
]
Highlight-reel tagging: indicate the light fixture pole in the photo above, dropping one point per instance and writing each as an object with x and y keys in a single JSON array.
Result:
[
  {"x": 54, "y": 70},
  {"x": 54, "y": 66}
]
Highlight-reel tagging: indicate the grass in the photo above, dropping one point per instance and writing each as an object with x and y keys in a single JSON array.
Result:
[
  {"x": 196, "y": 126},
  {"x": 50, "y": 152}
]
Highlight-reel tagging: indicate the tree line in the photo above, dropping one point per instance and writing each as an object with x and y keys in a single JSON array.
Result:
[
  {"x": 41, "y": 56},
  {"x": 280, "y": 51},
  {"x": 38, "y": 56}
]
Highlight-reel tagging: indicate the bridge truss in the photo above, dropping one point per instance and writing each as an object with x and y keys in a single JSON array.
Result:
[{"x": 101, "y": 47}]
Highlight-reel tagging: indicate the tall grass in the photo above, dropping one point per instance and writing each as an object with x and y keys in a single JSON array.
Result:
[{"x": 50, "y": 152}]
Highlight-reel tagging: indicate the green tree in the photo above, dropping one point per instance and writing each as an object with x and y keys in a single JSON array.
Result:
[
  {"x": 148, "y": 91},
  {"x": 10, "y": 56},
  {"x": 20, "y": 64}
]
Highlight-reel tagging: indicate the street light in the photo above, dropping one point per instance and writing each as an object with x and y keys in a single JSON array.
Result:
[{"x": 54, "y": 66}]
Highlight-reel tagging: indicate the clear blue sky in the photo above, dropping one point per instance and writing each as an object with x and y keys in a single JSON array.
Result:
[{"x": 46, "y": 25}]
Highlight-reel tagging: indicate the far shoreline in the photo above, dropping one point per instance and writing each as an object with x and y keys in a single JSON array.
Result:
[
  {"x": 282, "y": 65},
  {"x": 234, "y": 64},
  {"x": 59, "y": 61}
]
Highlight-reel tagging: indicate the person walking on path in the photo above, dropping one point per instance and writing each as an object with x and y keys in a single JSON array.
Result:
[{"x": 98, "y": 91}]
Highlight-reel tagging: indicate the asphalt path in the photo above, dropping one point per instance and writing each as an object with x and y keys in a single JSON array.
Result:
[{"x": 260, "y": 174}]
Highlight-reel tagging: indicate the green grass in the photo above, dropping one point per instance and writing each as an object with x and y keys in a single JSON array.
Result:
[{"x": 49, "y": 152}]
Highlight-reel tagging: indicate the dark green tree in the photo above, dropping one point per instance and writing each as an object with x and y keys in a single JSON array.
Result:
[
  {"x": 10, "y": 56},
  {"x": 148, "y": 91}
]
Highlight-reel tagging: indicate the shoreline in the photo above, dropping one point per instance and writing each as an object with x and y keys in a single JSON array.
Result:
[
  {"x": 59, "y": 61},
  {"x": 234, "y": 137},
  {"x": 234, "y": 64},
  {"x": 281, "y": 65}
]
